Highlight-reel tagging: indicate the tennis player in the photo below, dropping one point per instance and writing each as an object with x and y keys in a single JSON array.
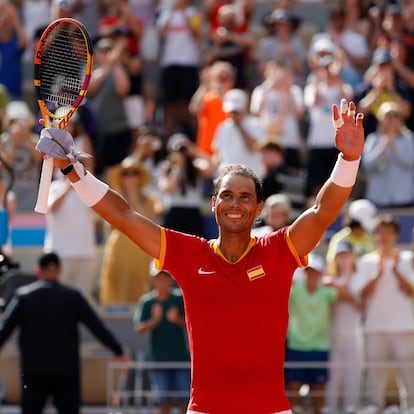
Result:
[{"x": 236, "y": 288}]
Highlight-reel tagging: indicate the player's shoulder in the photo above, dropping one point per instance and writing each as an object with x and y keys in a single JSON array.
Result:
[{"x": 28, "y": 289}]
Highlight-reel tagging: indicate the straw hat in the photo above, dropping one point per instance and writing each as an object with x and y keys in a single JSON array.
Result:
[{"x": 129, "y": 165}]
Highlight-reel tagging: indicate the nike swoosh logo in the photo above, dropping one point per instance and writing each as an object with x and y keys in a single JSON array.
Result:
[{"x": 205, "y": 272}]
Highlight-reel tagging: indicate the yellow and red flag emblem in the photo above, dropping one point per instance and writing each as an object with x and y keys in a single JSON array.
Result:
[{"x": 256, "y": 272}]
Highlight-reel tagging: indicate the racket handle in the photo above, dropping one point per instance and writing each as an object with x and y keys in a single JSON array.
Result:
[{"x": 44, "y": 185}]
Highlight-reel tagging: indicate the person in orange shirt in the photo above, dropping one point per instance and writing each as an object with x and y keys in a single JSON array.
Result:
[{"x": 206, "y": 103}]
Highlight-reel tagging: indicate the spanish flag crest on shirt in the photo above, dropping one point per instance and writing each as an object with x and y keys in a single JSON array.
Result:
[{"x": 256, "y": 272}]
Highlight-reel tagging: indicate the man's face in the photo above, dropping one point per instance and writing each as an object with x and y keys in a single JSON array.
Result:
[
  {"x": 386, "y": 236},
  {"x": 235, "y": 205},
  {"x": 277, "y": 217}
]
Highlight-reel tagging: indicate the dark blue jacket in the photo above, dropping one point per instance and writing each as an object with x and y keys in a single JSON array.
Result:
[{"x": 48, "y": 315}]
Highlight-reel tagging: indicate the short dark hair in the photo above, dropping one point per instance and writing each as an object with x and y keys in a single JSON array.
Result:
[
  {"x": 271, "y": 146},
  {"x": 387, "y": 220},
  {"x": 46, "y": 259},
  {"x": 238, "y": 169}
]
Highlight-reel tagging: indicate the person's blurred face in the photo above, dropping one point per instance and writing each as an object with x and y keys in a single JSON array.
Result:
[
  {"x": 313, "y": 276},
  {"x": 271, "y": 158},
  {"x": 149, "y": 144},
  {"x": 344, "y": 259},
  {"x": 282, "y": 29},
  {"x": 228, "y": 20},
  {"x": 277, "y": 217},
  {"x": 392, "y": 119},
  {"x": 337, "y": 22},
  {"x": 386, "y": 236},
  {"x": 225, "y": 80},
  {"x": 162, "y": 282}
]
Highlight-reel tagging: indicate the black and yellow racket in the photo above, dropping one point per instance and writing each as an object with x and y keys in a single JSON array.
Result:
[{"x": 62, "y": 72}]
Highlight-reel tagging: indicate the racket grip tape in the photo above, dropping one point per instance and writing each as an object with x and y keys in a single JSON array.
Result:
[{"x": 44, "y": 185}]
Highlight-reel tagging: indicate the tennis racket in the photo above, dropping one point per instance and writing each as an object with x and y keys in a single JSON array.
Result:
[{"x": 62, "y": 71}]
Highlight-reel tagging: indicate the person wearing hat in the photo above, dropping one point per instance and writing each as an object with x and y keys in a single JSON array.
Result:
[
  {"x": 148, "y": 151},
  {"x": 161, "y": 313},
  {"x": 308, "y": 335},
  {"x": 388, "y": 160},
  {"x": 236, "y": 138},
  {"x": 283, "y": 45},
  {"x": 351, "y": 47},
  {"x": 123, "y": 274},
  {"x": 48, "y": 315},
  {"x": 346, "y": 354},
  {"x": 323, "y": 48},
  {"x": 324, "y": 87},
  {"x": 18, "y": 143},
  {"x": 358, "y": 224}
]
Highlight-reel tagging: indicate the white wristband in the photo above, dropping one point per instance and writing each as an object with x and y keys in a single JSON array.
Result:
[
  {"x": 90, "y": 189},
  {"x": 345, "y": 172}
]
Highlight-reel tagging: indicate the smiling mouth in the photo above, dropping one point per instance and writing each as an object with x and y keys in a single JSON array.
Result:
[{"x": 234, "y": 215}]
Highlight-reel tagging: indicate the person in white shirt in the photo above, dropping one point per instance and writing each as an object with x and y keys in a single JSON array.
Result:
[
  {"x": 236, "y": 138},
  {"x": 74, "y": 240},
  {"x": 179, "y": 28},
  {"x": 278, "y": 102},
  {"x": 324, "y": 88},
  {"x": 346, "y": 356},
  {"x": 387, "y": 278}
]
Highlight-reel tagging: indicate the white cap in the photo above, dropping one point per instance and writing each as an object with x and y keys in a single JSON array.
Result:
[
  {"x": 177, "y": 141},
  {"x": 316, "y": 262},
  {"x": 235, "y": 100},
  {"x": 18, "y": 110},
  {"x": 363, "y": 211},
  {"x": 63, "y": 4},
  {"x": 324, "y": 45}
]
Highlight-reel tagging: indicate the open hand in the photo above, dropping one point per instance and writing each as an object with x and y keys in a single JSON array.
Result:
[{"x": 349, "y": 131}]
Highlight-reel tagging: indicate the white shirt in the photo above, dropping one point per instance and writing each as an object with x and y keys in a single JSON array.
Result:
[
  {"x": 70, "y": 230},
  {"x": 229, "y": 144},
  {"x": 179, "y": 47},
  {"x": 354, "y": 44},
  {"x": 388, "y": 308},
  {"x": 321, "y": 130},
  {"x": 270, "y": 108},
  {"x": 346, "y": 317}
]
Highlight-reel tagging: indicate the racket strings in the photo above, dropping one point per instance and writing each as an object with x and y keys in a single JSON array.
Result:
[{"x": 63, "y": 66}]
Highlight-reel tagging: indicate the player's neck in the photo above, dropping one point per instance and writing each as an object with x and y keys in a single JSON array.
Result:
[{"x": 232, "y": 246}]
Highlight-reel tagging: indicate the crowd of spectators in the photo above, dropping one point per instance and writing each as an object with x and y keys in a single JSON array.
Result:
[
  {"x": 181, "y": 88},
  {"x": 172, "y": 64}
]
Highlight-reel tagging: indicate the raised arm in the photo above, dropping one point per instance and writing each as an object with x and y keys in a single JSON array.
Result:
[
  {"x": 112, "y": 207},
  {"x": 306, "y": 231}
]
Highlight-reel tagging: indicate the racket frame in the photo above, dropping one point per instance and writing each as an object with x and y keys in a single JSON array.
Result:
[{"x": 49, "y": 118}]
